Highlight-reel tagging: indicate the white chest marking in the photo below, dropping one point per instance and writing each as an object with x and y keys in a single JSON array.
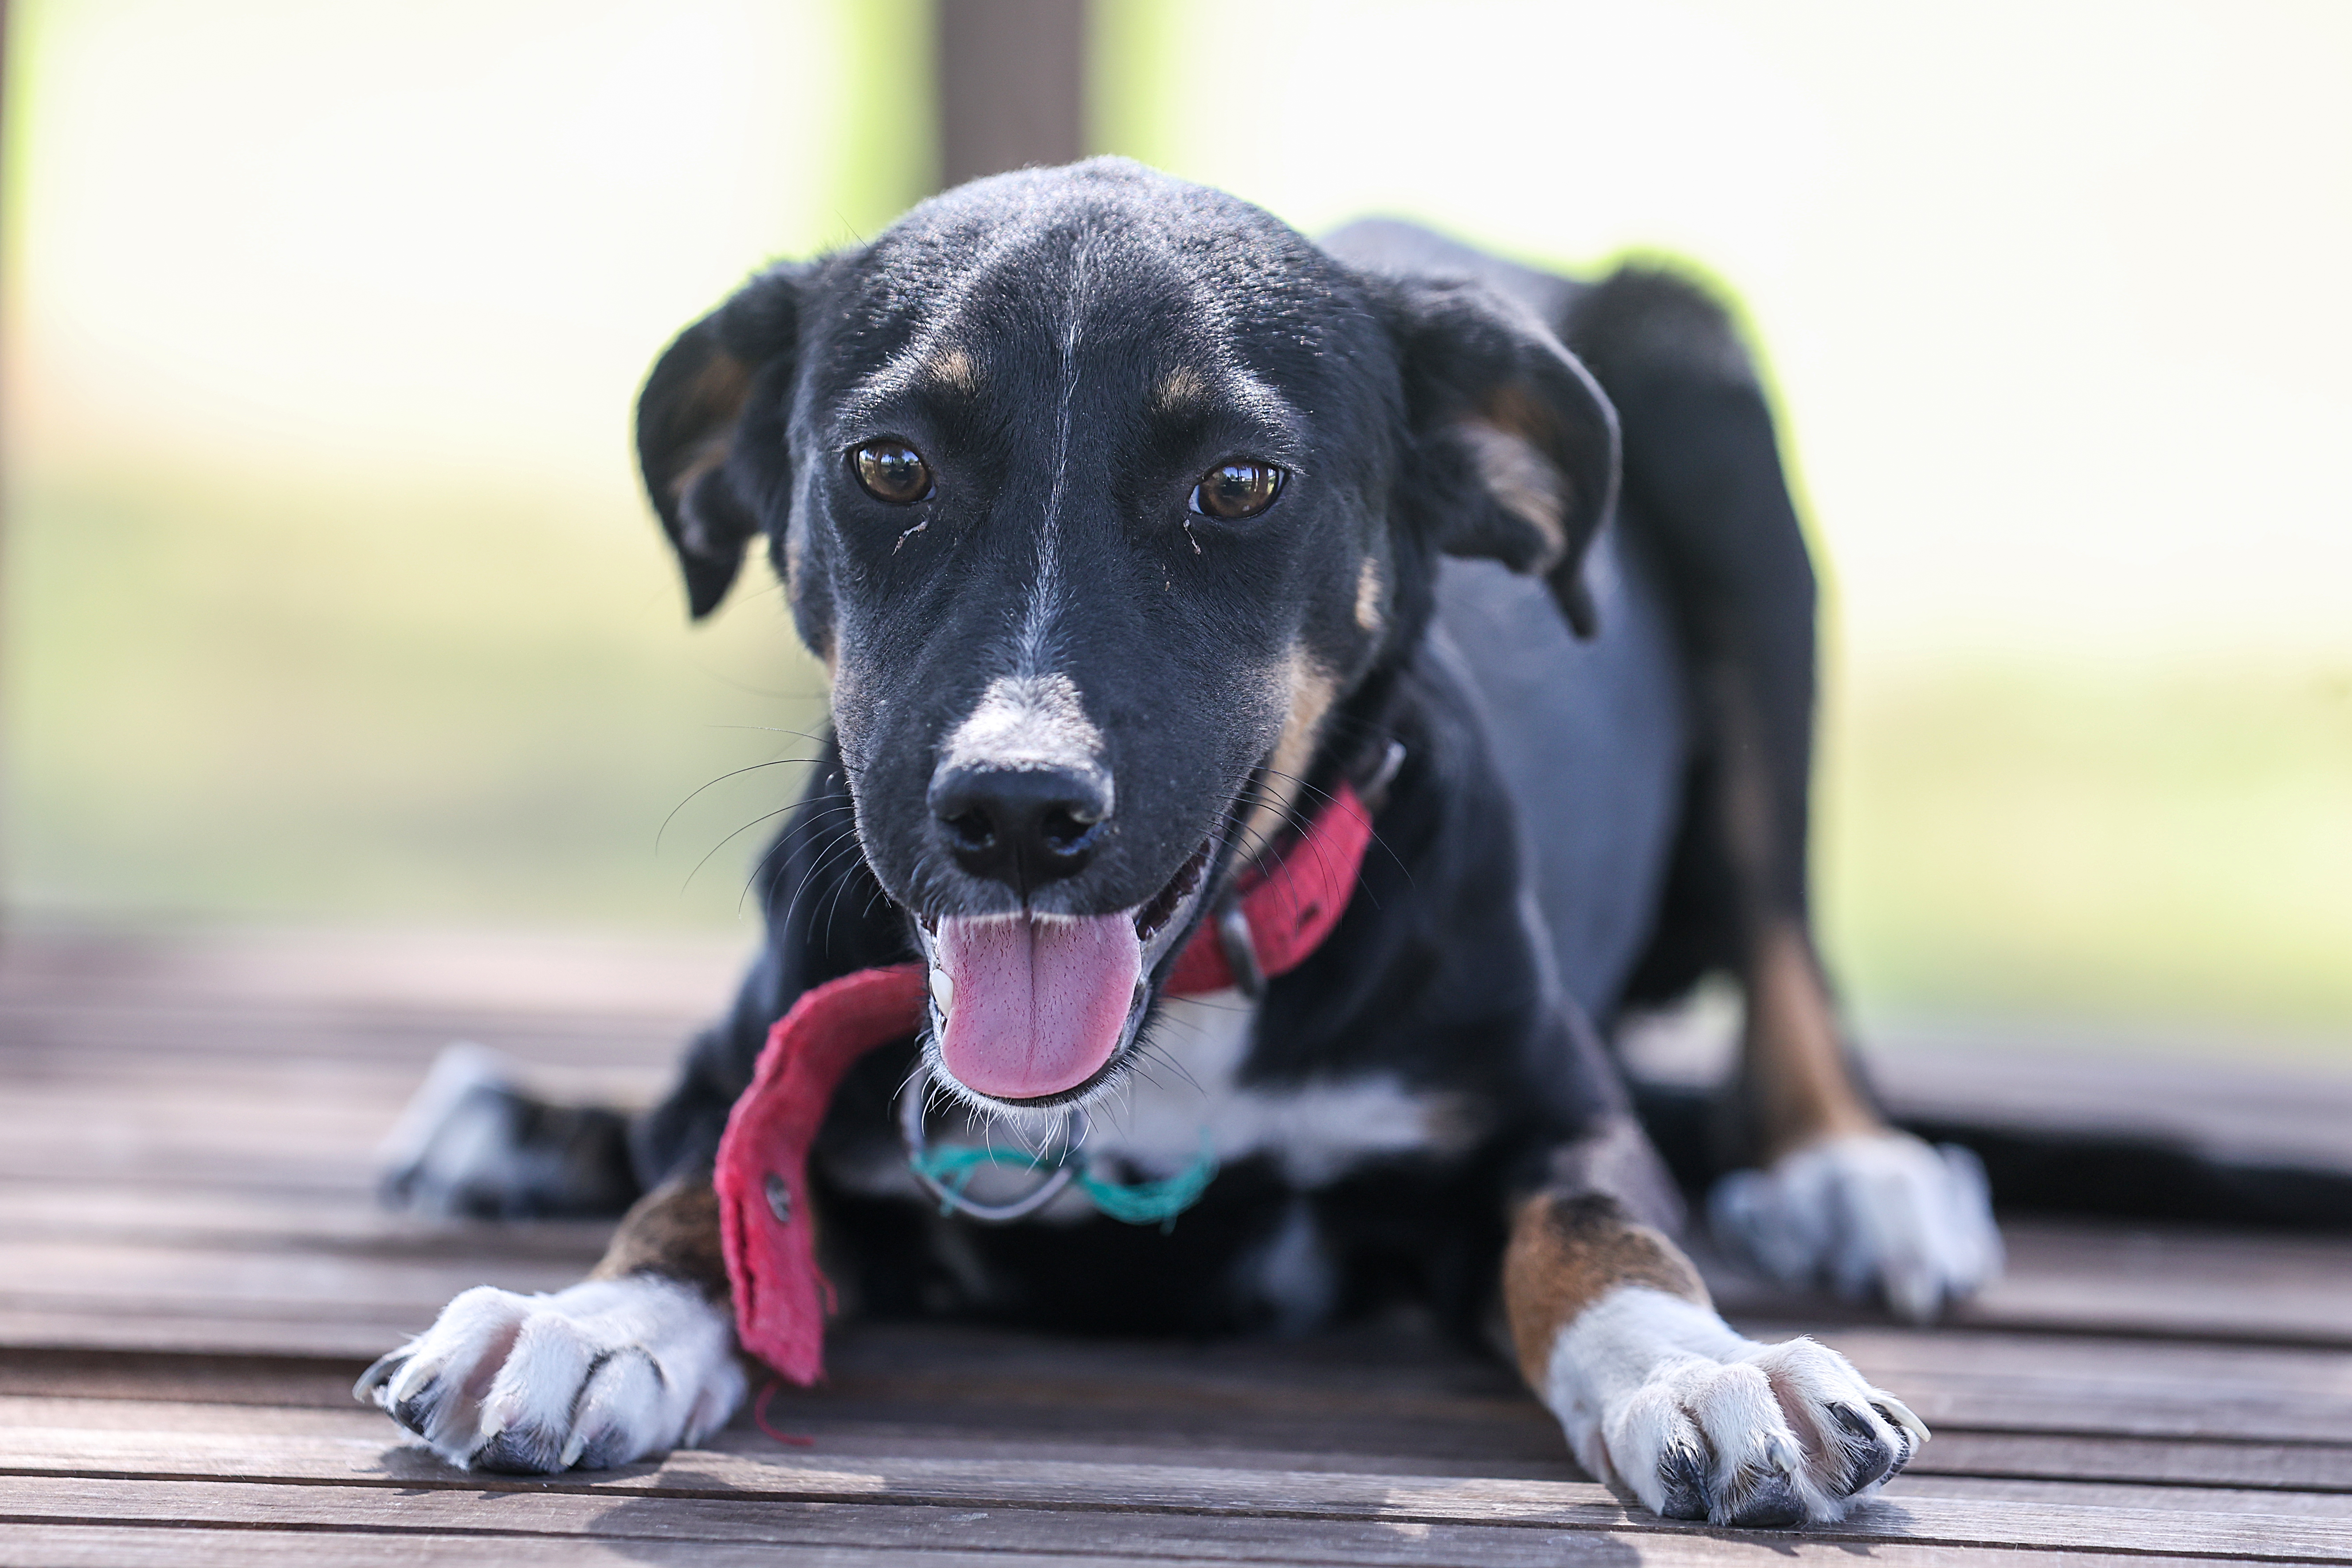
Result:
[
  {"x": 1183, "y": 1089},
  {"x": 1185, "y": 1086}
]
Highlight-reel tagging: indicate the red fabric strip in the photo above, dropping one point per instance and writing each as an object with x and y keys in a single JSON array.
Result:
[{"x": 782, "y": 1297}]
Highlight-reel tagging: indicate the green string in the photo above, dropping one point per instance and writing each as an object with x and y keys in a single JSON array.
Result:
[{"x": 1141, "y": 1203}]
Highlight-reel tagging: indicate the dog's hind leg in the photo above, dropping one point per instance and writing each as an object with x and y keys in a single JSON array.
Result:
[
  {"x": 1660, "y": 1399},
  {"x": 1833, "y": 1194},
  {"x": 473, "y": 1141}
]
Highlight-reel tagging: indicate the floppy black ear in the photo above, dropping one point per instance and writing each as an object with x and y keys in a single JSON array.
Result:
[
  {"x": 1514, "y": 453},
  {"x": 688, "y": 419}
]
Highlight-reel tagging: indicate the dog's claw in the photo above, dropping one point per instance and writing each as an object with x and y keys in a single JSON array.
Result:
[
  {"x": 1910, "y": 1432},
  {"x": 1898, "y": 1413},
  {"x": 381, "y": 1370}
]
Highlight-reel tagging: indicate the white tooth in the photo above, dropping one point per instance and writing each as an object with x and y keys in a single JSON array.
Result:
[{"x": 942, "y": 991}]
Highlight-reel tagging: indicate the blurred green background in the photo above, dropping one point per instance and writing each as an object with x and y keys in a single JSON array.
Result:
[{"x": 329, "y": 594}]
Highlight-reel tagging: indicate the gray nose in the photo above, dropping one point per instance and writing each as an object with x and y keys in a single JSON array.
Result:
[{"x": 1021, "y": 826}]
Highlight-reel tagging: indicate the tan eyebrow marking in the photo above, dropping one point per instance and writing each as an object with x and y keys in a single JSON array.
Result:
[
  {"x": 955, "y": 369},
  {"x": 1181, "y": 389}
]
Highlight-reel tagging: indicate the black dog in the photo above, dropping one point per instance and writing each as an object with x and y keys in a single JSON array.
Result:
[{"x": 1136, "y": 529}]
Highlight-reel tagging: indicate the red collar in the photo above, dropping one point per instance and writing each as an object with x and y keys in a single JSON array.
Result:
[{"x": 761, "y": 1176}]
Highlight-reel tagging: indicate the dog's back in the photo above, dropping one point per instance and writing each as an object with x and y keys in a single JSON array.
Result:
[{"x": 1590, "y": 736}]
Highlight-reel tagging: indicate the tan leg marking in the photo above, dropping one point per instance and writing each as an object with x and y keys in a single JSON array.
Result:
[
  {"x": 1567, "y": 1251},
  {"x": 1793, "y": 1067},
  {"x": 671, "y": 1231},
  {"x": 1794, "y": 1077}
]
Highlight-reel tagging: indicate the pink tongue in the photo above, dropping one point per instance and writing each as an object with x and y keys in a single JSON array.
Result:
[{"x": 1038, "y": 1005}]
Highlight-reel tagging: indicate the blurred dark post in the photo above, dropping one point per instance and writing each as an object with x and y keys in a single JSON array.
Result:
[
  {"x": 1012, "y": 85},
  {"x": 4, "y": 107}
]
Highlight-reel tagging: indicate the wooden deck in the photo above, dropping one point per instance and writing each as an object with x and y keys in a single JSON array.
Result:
[{"x": 192, "y": 1271}]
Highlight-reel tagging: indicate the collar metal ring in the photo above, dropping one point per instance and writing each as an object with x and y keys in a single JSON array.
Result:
[{"x": 912, "y": 1101}]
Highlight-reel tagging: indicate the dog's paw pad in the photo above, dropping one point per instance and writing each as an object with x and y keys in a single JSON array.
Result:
[
  {"x": 1880, "y": 1214},
  {"x": 600, "y": 1375}
]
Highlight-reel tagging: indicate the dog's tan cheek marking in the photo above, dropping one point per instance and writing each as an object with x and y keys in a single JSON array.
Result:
[
  {"x": 1312, "y": 689},
  {"x": 671, "y": 1231},
  {"x": 1372, "y": 591},
  {"x": 796, "y": 590},
  {"x": 1797, "y": 1076},
  {"x": 1568, "y": 1252}
]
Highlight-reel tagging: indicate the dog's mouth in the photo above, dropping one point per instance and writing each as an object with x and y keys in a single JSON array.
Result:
[{"x": 1034, "y": 1011}]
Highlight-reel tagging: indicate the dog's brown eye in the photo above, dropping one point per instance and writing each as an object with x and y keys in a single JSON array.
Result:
[
  {"x": 1232, "y": 492},
  {"x": 891, "y": 471}
]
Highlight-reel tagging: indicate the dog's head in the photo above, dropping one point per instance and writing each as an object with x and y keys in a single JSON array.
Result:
[{"x": 1096, "y": 492}]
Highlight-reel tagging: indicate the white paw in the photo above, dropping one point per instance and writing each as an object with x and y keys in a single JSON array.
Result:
[
  {"x": 1662, "y": 1399},
  {"x": 596, "y": 1375},
  {"x": 1879, "y": 1213}
]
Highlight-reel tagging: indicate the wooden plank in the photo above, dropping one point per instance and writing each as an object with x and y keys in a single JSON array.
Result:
[
  {"x": 1997, "y": 1358},
  {"x": 1390, "y": 1446},
  {"x": 2176, "y": 1282},
  {"x": 92, "y": 1380},
  {"x": 198, "y": 1181},
  {"x": 112, "y": 1044},
  {"x": 687, "y": 977},
  {"x": 1982, "y": 1381},
  {"x": 2304, "y": 1483},
  {"x": 2212, "y": 1094},
  {"x": 2227, "y": 1289},
  {"x": 2076, "y": 1384},
  {"x": 69, "y": 1546},
  {"x": 284, "y": 1283},
  {"x": 85, "y": 1546},
  {"x": 344, "y": 1420},
  {"x": 2224, "y": 1104},
  {"x": 915, "y": 1530},
  {"x": 945, "y": 1380},
  {"x": 1022, "y": 1482},
  {"x": 2124, "y": 1494},
  {"x": 359, "y": 1337},
  {"x": 2151, "y": 1461},
  {"x": 274, "y": 1219}
]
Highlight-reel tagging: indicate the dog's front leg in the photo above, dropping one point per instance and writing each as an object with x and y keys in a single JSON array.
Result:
[
  {"x": 638, "y": 1359},
  {"x": 1662, "y": 1400}
]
